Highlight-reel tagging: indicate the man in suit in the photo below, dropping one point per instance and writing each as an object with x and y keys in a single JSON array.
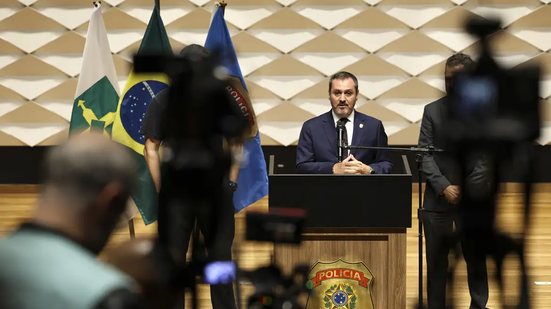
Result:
[
  {"x": 442, "y": 196},
  {"x": 317, "y": 150}
]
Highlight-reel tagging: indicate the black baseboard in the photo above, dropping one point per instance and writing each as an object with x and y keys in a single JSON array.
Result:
[{"x": 23, "y": 165}]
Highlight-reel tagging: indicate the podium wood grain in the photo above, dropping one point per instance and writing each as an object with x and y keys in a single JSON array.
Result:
[{"x": 384, "y": 254}]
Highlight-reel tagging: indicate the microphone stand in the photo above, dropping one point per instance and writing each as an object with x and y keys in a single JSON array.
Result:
[
  {"x": 419, "y": 151},
  {"x": 419, "y": 160}
]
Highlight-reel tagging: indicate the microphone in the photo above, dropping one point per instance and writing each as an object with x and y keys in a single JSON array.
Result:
[{"x": 340, "y": 146}]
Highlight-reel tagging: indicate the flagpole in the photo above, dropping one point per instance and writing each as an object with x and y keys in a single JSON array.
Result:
[{"x": 131, "y": 228}]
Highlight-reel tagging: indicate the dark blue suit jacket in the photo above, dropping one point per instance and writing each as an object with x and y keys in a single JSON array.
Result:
[{"x": 317, "y": 145}]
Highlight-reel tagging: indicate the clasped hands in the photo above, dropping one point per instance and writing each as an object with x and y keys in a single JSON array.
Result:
[
  {"x": 351, "y": 165},
  {"x": 452, "y": 194}
]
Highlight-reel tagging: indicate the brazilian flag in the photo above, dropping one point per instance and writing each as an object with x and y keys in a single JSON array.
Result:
[{"x": 138, "y": 92}]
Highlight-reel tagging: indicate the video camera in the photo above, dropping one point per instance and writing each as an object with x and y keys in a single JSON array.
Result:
[
  {"x": 199, "y": 119},
  {"x": 491, "y": 105},
  {"x": 272, "y": 288},
  {"x": 492, "y": 120}
]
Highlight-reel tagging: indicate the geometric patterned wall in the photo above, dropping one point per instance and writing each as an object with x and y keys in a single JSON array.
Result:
[{"x": 286, "y": 49}]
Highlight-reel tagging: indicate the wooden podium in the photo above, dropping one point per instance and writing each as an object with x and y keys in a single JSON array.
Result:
[{"x": 354, "y": 218}]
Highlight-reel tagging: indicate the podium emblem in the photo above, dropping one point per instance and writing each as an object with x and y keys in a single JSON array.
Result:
[{"x": 340, "y": 285}]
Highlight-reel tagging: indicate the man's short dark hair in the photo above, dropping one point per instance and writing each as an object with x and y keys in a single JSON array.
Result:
[
  {"x": 343, "y": 75},
  {"x": 459, "y": 59}
]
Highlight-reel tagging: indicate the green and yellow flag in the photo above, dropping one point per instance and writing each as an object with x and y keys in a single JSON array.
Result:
[
  {"x": 138, "y": 92},
  {"x": 97, "y": 91}
]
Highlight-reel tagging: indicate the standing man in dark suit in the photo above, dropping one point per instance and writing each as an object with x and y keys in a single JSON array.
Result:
[
  {"x": 317, "y": 151},
  {"x": 442, "y": 196}
]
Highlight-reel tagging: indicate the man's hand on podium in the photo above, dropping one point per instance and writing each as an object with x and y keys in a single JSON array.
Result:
[{"x": 351, "y": 166}]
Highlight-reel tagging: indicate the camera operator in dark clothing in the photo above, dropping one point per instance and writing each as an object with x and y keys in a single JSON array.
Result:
[
  {"x": 442, "y": 197},
  {"x": 216, "y": 223}
]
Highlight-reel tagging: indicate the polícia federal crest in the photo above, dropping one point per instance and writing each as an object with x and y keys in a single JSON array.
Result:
[{"x": 340, "y": 285}]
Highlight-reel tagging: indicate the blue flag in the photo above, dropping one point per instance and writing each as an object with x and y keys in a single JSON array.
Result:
[{"x": 253, "y": 178}]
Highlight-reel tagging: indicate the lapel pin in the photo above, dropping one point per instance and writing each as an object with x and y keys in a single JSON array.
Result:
[{"x": 361, "y": 125}]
